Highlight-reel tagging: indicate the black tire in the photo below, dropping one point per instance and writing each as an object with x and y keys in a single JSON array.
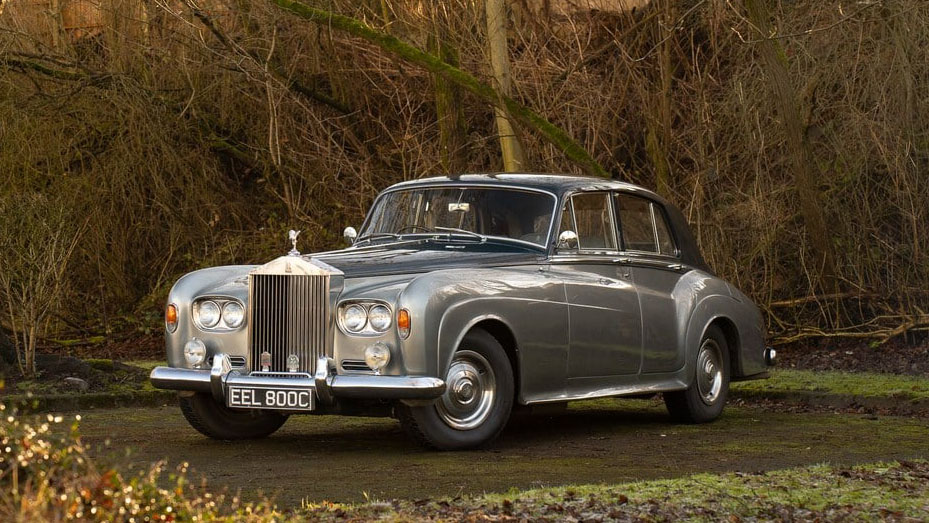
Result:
[
  {"x": 699, "y": 403},
  {"x": 219, "y": 422},
  {"x": 433, "y": 425}
]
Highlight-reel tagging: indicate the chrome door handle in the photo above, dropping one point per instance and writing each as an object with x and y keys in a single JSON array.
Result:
[
  {"x": 605, "y": 281},
  {"x": 621, "y": 260},
  {"x": 676, "y": 267}
]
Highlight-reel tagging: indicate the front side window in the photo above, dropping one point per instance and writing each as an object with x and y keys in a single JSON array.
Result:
[
  {"x": 488, "y": 211},
  {"x": 644, "y": 227},
  {"x": 593, "y": 218}
]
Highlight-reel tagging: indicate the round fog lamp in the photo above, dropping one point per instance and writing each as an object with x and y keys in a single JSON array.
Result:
[
  {"x": 194, "y": 352},
  {"x": 379, "y": 318},
  {"x": 377, "y": 356},
  {"x": 354, "y": 318}
]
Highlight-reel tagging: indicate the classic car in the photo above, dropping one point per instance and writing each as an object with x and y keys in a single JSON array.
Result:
[{"x": 460, "y": 298}]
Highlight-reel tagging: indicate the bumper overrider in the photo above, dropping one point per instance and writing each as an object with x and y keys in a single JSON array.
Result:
[{"x": 325, "y": 383}]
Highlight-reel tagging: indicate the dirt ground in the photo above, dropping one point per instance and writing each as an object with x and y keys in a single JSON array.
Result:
[
  {"x": 316, "y": 458},
  {"x": 901, "y": 355}
]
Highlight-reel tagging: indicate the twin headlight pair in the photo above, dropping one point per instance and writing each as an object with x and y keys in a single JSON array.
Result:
[
  {"x": 210, "y": 313},
  {"x": 357, "y": 318}
]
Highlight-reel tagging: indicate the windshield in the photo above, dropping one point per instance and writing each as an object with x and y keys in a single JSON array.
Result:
[{"x": 487, "y": 211}]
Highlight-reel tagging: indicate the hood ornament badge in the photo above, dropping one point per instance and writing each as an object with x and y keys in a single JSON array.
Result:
[{"x": 292, "y": 235}]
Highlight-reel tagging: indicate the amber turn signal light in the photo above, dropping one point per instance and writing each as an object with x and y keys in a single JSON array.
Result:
[
  {"x": 403, "y": 323},
  {"x": 171, "y": 317}
]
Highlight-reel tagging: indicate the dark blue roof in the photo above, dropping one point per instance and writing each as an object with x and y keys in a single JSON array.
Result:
[
  {"x": 555, "y": 183},
  {"x": 559, "y": 184}
]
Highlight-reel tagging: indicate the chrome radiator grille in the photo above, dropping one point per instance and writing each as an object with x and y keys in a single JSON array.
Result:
[{"x": 287, "y": 315}]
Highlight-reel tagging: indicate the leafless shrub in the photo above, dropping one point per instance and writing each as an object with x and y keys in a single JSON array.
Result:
[{"x": 37, "y": 240}]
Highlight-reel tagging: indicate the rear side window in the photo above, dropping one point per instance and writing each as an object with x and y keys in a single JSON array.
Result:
[
  {"x": 644, "y": 226},
  {"x": 594, "y": 220}
]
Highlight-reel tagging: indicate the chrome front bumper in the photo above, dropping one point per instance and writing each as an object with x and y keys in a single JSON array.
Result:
[{"x": 325, "y": 383}]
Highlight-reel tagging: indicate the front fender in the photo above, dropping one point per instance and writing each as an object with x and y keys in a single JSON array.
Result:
[
  {"x": 226, "y": 281},
  {"x": 530, "y": 304}
]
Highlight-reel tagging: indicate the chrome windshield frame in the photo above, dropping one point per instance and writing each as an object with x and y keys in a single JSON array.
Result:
[{"x": 486, "y": 186}]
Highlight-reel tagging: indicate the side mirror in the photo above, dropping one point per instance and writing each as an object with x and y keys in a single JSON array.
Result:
[
  {"x": 567, "y": 240},
  {"x": 349, "y": 234}
]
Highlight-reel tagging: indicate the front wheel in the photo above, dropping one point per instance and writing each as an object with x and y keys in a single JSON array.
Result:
[
  {"x": 704, "y": 400},
  {"x": 477, "y": 401},
  {"x": 220, "y": 422}
]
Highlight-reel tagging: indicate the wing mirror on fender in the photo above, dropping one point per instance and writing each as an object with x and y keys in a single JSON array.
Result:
[
  {"x": 567, "y": 240},
  {"x": 349, "y": 234}
]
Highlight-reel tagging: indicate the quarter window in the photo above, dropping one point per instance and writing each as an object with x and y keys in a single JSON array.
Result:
[
  {"x": 644, "y": 227},
  {"x": 593, "y": 218}
]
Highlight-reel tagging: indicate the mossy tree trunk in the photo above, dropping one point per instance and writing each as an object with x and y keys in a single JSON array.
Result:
[
  {"x": 453, "y": 127},
  {"x": 806, "y": 173},
  {"x": 552, "y": 133},
  {"x": 658, "y": 140}
]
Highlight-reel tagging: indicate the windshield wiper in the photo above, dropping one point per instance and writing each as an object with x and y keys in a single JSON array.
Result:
[
  {"x": 455, "y": 230},
  {"x": 377, "y": 236}
]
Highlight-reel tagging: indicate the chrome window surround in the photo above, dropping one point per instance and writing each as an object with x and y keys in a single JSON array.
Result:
[
  {"x": 651, "y": 209},
  {"x": 548, "y": 240},
  {"x": 569, "y": 201}
]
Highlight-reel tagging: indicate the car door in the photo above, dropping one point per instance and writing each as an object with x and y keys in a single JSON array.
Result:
[
  {"x": 650, "y": 253},
  {"x": 605, "y": 336}
]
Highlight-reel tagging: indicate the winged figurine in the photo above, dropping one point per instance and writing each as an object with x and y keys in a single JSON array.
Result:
[{"x": 293, "y": 240}]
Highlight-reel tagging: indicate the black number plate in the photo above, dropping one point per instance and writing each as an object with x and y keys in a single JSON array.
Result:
[{"x": 270, "y": 398}]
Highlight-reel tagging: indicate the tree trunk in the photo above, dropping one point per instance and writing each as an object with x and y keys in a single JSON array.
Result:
[
  {"x": 514, "y": 159},
  {"x": 449, "y": 109},
  {"x": 806, "y": 173}
]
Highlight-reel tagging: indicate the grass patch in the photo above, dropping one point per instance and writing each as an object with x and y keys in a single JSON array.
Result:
[
  {"x": 146, "y": 364},
  {"x": 839, "y": 383},
  {"x": 876, "y": 491},
  {"x": 895, "y": 490}
]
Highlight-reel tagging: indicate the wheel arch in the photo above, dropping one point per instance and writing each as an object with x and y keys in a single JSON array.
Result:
[
  {"x": 502, "y": 332},
  {"x": 733, "y": 342}
]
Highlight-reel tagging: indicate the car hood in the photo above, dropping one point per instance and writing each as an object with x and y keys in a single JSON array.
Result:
[{"x": 420, "y": 257}]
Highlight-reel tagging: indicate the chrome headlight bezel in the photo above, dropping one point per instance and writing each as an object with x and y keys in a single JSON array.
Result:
[
  {"x": 368, "y": 328},
  {"x": 221, "y": 302},
  {"x": 380, "y": 317},
  {"x": 354, "y": 317}
]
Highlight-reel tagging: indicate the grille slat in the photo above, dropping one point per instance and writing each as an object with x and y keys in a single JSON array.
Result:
[{"x": 288, "y": 315}]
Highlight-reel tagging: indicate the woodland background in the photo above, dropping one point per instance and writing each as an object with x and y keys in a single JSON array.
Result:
[{"x": 142, "y": 139}]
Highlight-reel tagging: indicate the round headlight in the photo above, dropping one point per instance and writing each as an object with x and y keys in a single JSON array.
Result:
[
  {"x": 377, "y": 356},
  {"x": 208, "y": 313},
  {"x": 194, "y": 352},
  {"x": 354, "y": 318},
  {"x": 233, "y": 314},
  {"x": 379, "y": 318}
]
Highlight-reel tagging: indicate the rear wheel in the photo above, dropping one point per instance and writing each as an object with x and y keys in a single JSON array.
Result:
[
  {"x": 704, "y": 400},
  {"x": 220, "y": 422},
  {"x": 477, "y": 400}
]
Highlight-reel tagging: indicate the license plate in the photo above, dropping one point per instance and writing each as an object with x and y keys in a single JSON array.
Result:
[{"x": 270, "y": 398}]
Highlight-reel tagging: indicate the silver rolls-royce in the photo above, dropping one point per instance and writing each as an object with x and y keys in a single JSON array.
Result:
[{"x": 458, "y": 299}]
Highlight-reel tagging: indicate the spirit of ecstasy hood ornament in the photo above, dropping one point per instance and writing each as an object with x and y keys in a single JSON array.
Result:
[{"x": 293, "y": 240}]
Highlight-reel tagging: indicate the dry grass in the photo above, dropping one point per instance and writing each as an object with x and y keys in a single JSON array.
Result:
[{"x": 183, "y": 149}]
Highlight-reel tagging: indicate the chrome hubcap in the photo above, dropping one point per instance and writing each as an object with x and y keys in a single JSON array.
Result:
[
  {"x": 469, "y": 396},
  {"x": 709, "y": 372}
]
